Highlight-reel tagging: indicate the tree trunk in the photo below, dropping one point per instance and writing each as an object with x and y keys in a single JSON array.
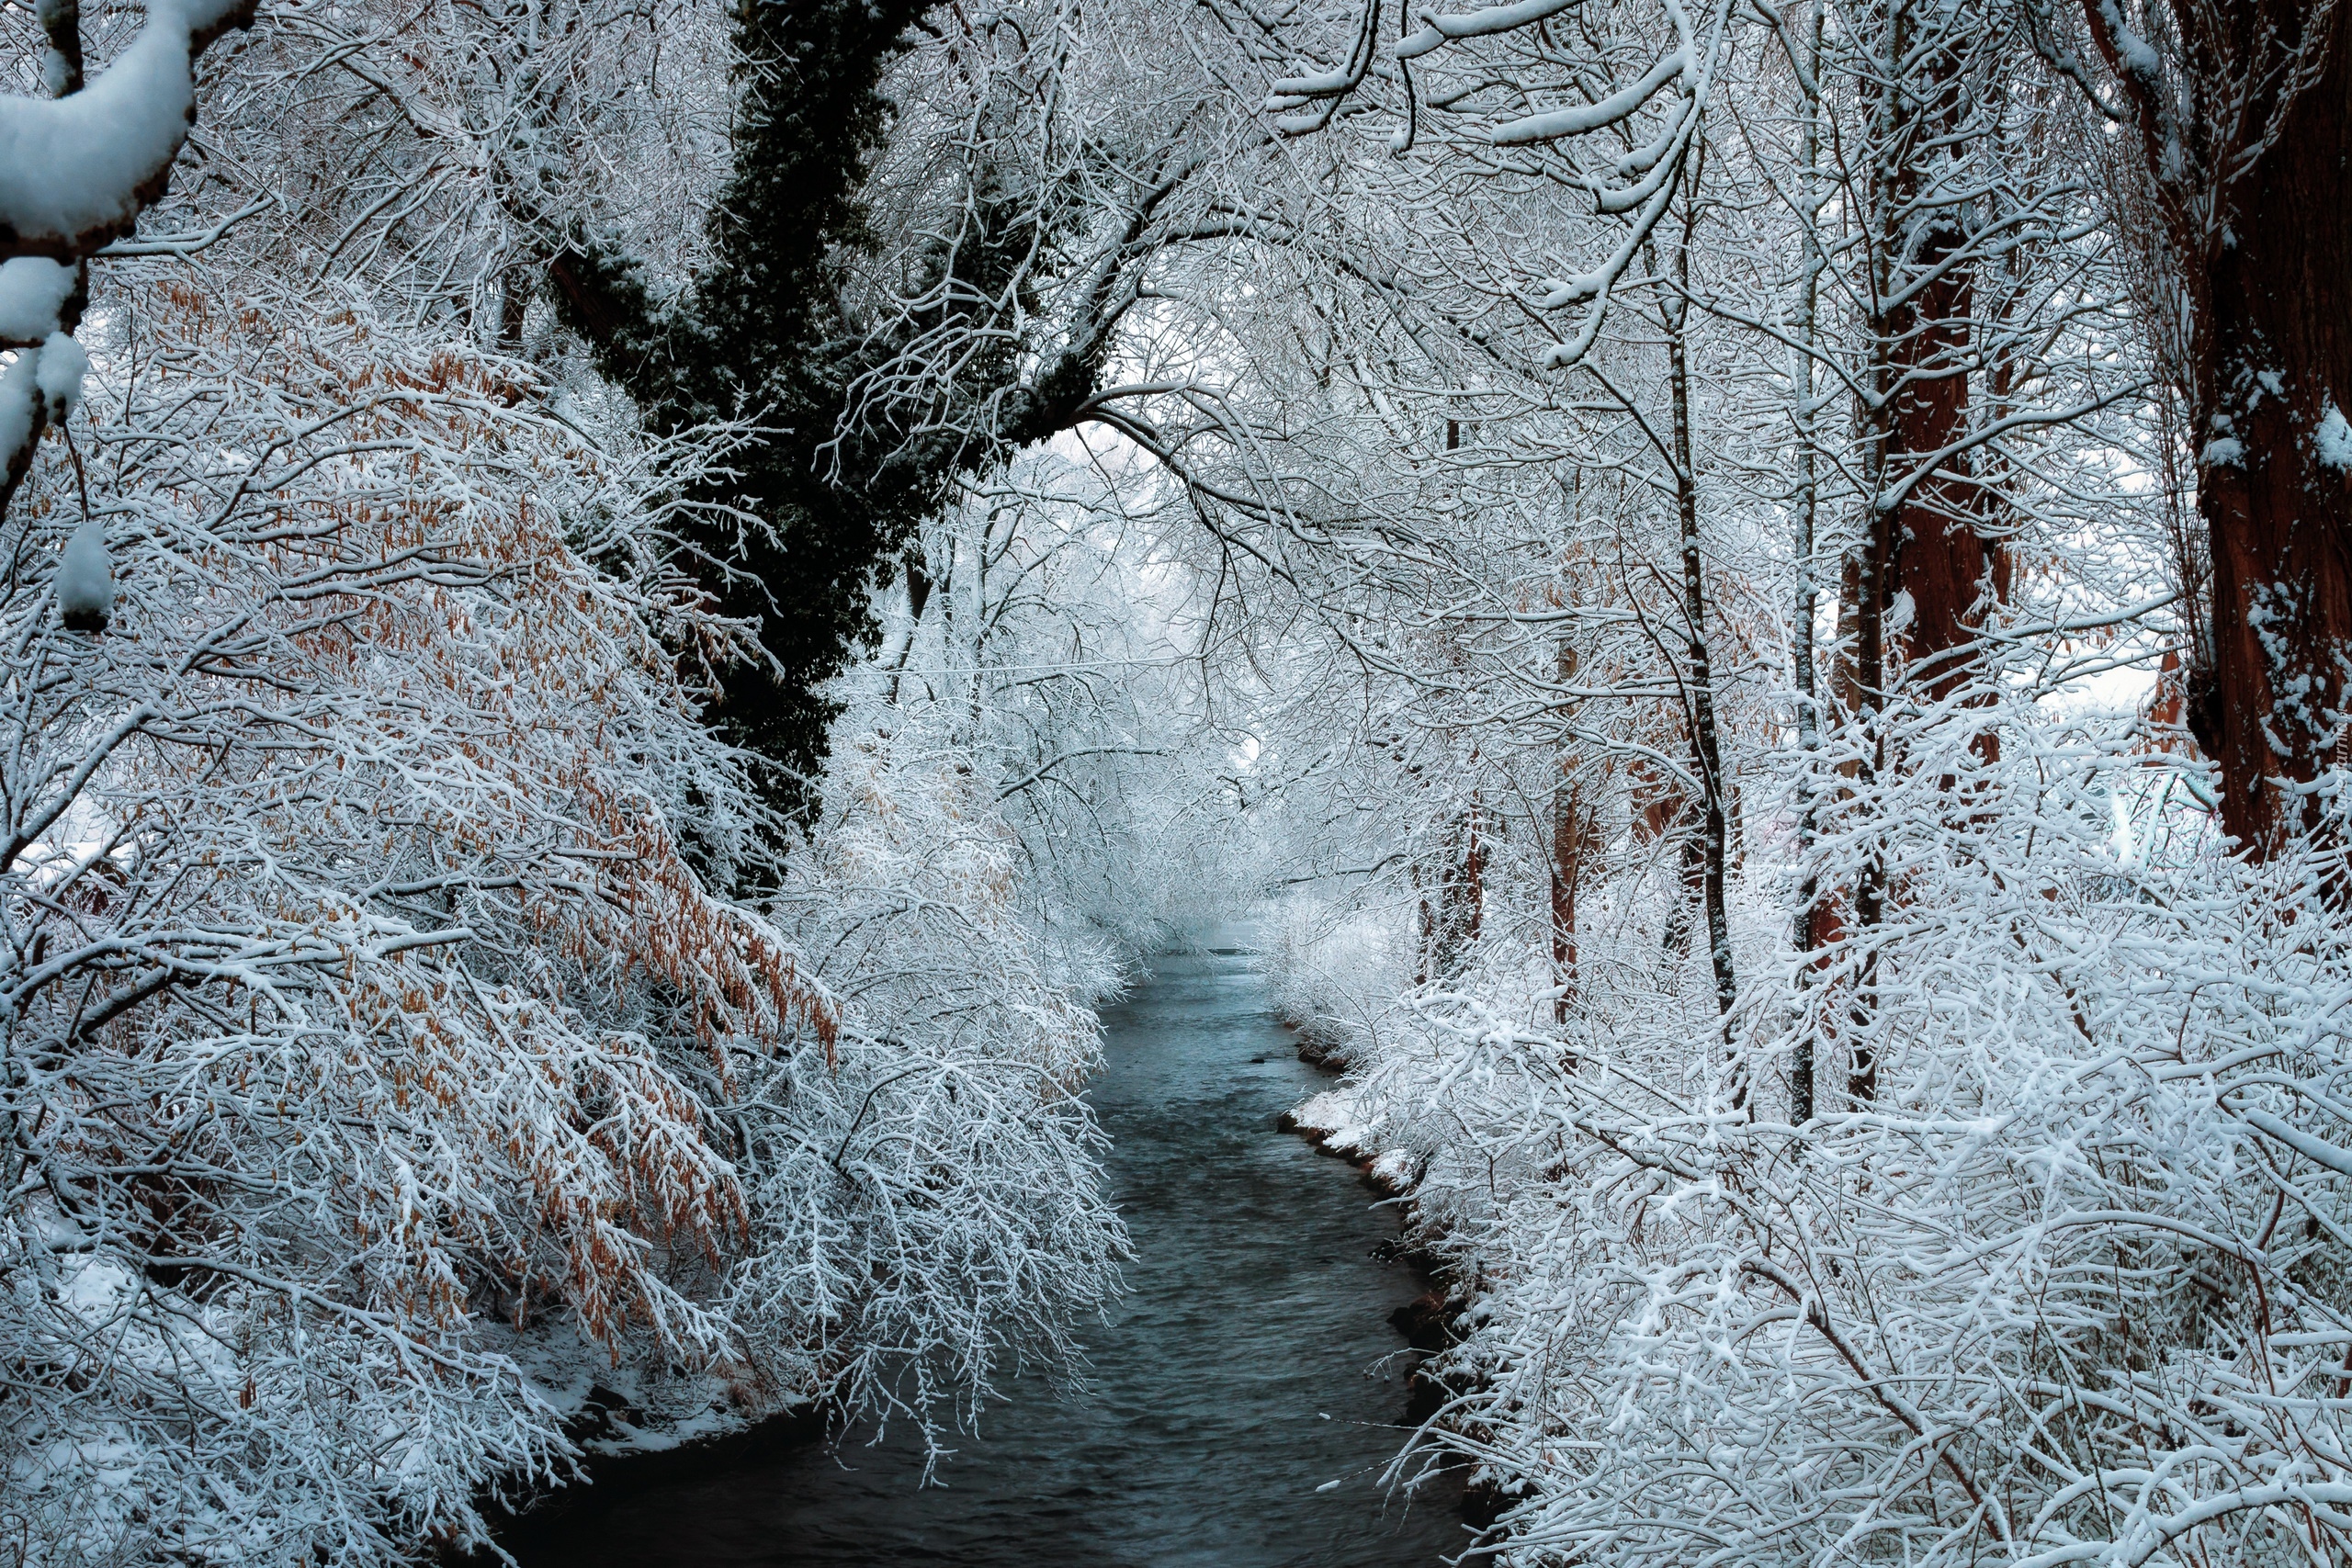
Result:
[
  {"x": 2246, "y": 132},
  {"x": 1706, "y": 753},
  {"x": 918, "y": 582},
  {"x": 1571, "y": 826},
  {"x": 1934, "y": 552},
  {"x": 1816, "y": 912},
  {"x": 1923, "y": 554},
  {"x": 1567, "y": 869},
  {"x": 2273, "y": 383}
]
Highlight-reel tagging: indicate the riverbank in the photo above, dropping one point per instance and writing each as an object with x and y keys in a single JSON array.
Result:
[{"x": 1336, "y": 979}]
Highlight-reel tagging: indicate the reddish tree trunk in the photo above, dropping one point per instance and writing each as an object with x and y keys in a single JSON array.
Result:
[
  {"x": 1924, "y": 545},
  {"x": 2274, "y": 361},
  {"x": 2248, "y": 133},
  {"x": 1571, "y": 826},
  {"x": 1932, "y": 550},
  {"x": 1938, "y": 558}
]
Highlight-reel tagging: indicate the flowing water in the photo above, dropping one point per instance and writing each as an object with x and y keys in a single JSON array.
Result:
[{"x": 1240, "y": 1407}]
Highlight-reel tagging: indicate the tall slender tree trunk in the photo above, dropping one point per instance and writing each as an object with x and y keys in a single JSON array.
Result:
[
  {"x": 2273, "y": 389},
  {"x": 1874, "y": 556},
  {"x": 1567, "y": 871},
  {"x": 1570, "y": 826},
  {"x": 918, "y": 581},
  {"x": 1706, "y": 750},
  {"x": 1817, "y": 915},
  {"x": 1923, "y": 552}
]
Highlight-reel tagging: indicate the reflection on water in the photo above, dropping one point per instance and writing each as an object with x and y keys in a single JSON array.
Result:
[{"x": 1241, "y": 1407}]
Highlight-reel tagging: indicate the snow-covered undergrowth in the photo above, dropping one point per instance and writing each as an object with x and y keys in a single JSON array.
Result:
[
  {"x": 1332, "y": 969},
  {"x": 930, "y": 1201},
  {"x": 2068, "y": 1289},
  {"x": 352, "y": 958},
  {"x": 390, "y": 1066}
]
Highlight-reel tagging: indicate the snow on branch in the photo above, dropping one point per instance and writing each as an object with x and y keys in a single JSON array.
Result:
[
  {"x": 1437, "y": 31},
  {"x": 76, "y": 172}
]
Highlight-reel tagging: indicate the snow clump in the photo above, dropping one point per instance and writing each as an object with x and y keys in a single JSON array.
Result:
[
  {"x": 61, "y": 366},
  {"x": 2334, "y": 439},
  {"x": 86, "y": 580},
  {"x": 32, "y": 290}
]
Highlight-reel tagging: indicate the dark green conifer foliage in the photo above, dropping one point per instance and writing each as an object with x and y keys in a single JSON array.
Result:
[{"x": 766, "y": 333}]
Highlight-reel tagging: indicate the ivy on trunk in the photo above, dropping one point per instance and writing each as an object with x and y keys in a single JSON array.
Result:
[{"x": 766, "y": 333}]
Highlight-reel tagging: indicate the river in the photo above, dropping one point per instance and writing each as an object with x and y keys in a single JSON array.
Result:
[{"x": 1241, "y": 1407}]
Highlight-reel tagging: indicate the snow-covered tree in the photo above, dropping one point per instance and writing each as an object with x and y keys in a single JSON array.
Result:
[{"x": 387, "y": 1068}]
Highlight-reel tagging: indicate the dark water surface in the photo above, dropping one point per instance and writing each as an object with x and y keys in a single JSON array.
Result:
[{"x": 1251, "y": 1365}]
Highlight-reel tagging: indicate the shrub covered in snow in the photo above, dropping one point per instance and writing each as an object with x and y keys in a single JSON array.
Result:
[
  {"x": 2066, "y": 1288},
  {"x": 354, "y": 961},
  {"x": 1333, "y": 970}
]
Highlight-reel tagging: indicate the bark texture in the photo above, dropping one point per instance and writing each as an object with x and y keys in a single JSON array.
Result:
[
  {"x": 2274, "y": 363},
  {"x": 1698, "y": 684},
  {"x": 2244, "y": 114},
  {"x": 1933, "y": 553}
]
